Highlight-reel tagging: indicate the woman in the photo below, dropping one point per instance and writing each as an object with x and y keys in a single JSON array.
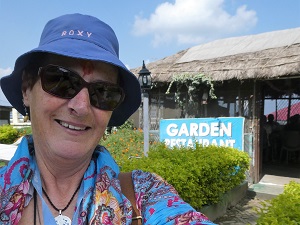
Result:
[{"x": 73, "y": 86}]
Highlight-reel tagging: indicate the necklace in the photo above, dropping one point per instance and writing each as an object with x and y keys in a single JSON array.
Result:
[
  {"x": 35, "y": 206},
  {"x": 61, "y": 219}
]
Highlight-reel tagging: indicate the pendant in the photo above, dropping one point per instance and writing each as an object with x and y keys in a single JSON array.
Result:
[{"x": 63, "y": 220}]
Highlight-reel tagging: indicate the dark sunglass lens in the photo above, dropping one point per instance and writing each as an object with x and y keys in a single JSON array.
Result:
[
  {"x": 105, "y": 97},
  {"x": 60, "y": 82},
  {"x": 64, "y": 83}
]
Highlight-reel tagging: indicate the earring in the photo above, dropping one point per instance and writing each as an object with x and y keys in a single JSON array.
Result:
[{"x": 26, "y": 117}]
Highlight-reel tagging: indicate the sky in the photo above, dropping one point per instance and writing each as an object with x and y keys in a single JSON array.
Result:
[{"x": 147, "y": 29}]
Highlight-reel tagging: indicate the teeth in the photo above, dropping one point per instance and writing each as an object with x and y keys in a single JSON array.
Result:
[{"x": 71, "y": 126}]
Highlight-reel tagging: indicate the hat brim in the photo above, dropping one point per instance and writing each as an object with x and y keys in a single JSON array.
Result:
[{"x": 11, "y": 84}]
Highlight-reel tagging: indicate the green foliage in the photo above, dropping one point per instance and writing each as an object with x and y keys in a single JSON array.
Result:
[
  {"x": 24, "y": 131},
  {"x": 2, "y": 163},
  {"x": 192, "y": 84},
  {"x": 190, "y": 89},
  {"x": 124, "y": 143},
  {"x": 200, "y": 175},
  {"x": 283, "y": 209},
  {"x": 127, "y": 125},
  {"x": 8, "y": 134}
]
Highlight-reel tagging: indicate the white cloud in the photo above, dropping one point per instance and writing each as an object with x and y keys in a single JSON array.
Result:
[
  {"x": 4, "y": 72},
  {"x": 193, "y": 22}
]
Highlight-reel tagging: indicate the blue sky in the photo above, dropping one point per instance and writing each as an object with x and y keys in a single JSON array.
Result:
[{"x": 147, "y": 29}]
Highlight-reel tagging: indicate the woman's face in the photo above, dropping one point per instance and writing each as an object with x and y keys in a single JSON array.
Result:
[{"x": 69, "y": 128}]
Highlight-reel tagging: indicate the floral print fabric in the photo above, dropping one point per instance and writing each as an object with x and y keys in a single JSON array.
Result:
[
  {"x": 160, "y": 203},
  {"x": 102, "y": 201}
]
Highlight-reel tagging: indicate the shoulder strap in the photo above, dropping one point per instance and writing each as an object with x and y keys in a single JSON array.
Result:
[{"x": 128, "y": 191}]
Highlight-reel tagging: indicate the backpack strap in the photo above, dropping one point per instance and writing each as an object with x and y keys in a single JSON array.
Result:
[{"x": 128, "y": 191}]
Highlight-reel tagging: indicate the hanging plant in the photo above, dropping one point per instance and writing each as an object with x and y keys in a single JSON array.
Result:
[{"x": 192, "y": 83}]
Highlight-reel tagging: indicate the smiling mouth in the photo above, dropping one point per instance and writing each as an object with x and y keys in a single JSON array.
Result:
[{"x": 71, "y": 127}]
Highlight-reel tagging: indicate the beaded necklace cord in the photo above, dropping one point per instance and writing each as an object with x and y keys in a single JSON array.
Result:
[
  {"x": 51, "y": 203},
  {"x": 54, "y": 207},
  {"x": 34, "y": 205}
]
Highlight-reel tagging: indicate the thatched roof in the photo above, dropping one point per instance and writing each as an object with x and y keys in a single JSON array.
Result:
[{"x": 263, "y": 56}]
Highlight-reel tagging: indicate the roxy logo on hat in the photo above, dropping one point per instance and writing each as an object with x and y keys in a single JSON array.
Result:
[{"x": 78, "y": 33}]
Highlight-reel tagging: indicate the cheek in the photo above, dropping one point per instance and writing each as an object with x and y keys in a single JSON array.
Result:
[
  {"x": 102, "y": 118},
  {"x": 42, "y": 103}
]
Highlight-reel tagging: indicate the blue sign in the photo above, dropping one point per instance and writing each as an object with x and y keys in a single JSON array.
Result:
[{"x": 220, "y": 131}]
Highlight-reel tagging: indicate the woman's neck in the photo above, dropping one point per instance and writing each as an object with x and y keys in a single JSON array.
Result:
[
  {"x": 56, "y": 169},
  {"x": 60, "y": 184}
]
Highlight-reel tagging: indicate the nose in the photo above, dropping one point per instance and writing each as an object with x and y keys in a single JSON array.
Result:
[{"x": 80, "y": 104}]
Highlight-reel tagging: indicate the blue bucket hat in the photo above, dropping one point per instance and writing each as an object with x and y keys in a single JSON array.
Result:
[{"x": 84, "y": 37}]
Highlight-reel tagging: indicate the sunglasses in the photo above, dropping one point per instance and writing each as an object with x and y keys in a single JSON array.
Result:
[{"x": 65, "y": 83}]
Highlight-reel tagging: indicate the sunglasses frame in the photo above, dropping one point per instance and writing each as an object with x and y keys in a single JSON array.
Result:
[{"x": 84, "y": 84}]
